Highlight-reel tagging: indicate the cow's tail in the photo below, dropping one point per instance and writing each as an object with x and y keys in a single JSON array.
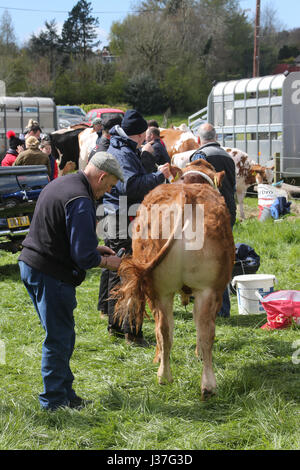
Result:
[
  {"x": 132, "y": 292},
  {"x": 136, "y": 287}
]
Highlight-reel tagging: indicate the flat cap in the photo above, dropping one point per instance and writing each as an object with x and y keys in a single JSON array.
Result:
[
  {"x": 97, "y": 120},
  {"x": 106, "y": 162}
]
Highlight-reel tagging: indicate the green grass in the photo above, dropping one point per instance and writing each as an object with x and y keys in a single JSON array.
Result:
[{"x": 257, "y": 405}]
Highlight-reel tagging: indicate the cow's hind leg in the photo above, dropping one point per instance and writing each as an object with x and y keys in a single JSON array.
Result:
[
  {"x": 240, "y": 195},
  {"x": 205, "y": 309},
  {"x": 164, "y": 325}
]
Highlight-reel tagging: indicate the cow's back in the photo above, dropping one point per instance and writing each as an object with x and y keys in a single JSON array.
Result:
[
  {"x": 178, "y": 141},
  {"x": 198, "y": 253}
]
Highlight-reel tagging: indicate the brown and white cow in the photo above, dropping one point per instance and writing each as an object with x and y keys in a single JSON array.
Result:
[
  {"x": 87, "y": 141},
  {"x": 177, "y": 140},
  {"x": 247, "y": 172},
  {"x": 73, "y": 144},
  {"x": 65, "y": 144},
  {"x": 190, "y": 256}
]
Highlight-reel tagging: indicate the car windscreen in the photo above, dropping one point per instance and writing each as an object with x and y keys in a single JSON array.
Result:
[
  {"x": 71, "y": 111},
  {"x": 106, "y": 116}
]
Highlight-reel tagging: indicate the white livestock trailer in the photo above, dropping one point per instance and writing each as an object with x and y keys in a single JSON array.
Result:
[
  {"x": 15, "y": 113},
  {"x": 260, "y": 116}
]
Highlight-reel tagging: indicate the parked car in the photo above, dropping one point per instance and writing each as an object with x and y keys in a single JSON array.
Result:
[
  {"x": 20, "y": 188},
  {"x": 69, "y": 115},
  {"x": 103, "y": 113}
]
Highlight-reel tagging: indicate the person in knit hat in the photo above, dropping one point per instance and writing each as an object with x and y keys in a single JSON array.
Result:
[
  {"x": 125, "y": 142},
  {"x": 33, "y": 155},
  {"x": 16, "y": 146}
]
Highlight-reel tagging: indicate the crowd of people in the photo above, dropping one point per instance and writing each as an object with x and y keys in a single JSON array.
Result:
[
  {"x": 129, "y": 159},
  {"x": 33, "y": 148}
]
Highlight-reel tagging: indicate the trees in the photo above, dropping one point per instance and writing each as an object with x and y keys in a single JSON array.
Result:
[
  {"x": 47, "y": 43},
  {"x": 7, "y": 35},
  {"x": 143, "y": 93},
  {"x": 12, "y": 69},
  {"x": 79, "y": 30},
  {"x": 167, "y": 54}
]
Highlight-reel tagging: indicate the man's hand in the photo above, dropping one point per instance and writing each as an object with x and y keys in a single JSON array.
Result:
[
  {"x": 165, "y": 169},
  {"x": 109, "y": 259},
  {"x": 148, "y": 147},
  {"x": 105, "y": 250},
  {"x": 110, "y": 262}
]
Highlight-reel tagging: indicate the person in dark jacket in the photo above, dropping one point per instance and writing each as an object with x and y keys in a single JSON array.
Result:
[
  {"x": 154, "y": 152},
  {"x": 102, "y": 144},
  {"x": 98, "y": 127},
  {"x": 211, "y": 151},
  {"x": 121, "y": 204},
  {"x": 60, "y": 246}
]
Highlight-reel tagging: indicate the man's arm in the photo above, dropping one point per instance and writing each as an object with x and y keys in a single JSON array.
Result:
[
  {"x": 84, "y": 247},
  {"x": 137, "y": 183},
  {"x": 81, "y": 230}
]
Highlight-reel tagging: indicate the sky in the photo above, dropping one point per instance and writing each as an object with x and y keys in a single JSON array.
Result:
[{"x": 29, "y": 18}]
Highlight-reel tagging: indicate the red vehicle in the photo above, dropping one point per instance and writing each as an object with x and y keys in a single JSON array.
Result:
[{"x": 103, "y": 113}]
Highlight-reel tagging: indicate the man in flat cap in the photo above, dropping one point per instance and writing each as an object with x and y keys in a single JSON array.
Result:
[
  {"x": 60, "y": 246},
  {"x": 103, "y": 142},
  {"x": 98, "y": 127},
  {"x": 125, "y": 143}
]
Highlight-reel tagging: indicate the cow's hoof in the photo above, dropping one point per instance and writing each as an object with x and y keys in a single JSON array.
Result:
[
  {"x": 206, "y": 394},
  {"x": 162, "y": 380}
]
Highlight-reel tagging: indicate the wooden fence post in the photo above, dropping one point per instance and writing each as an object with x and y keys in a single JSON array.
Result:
[{"x": 277, "y": 168}]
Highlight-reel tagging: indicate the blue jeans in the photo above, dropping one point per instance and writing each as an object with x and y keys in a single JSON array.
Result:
[{"x": 54, "y": 302}]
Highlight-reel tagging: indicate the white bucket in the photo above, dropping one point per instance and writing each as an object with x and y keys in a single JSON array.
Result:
[
  {"x": 247, "y": 285},
  {"x": 267, "y": 194}
]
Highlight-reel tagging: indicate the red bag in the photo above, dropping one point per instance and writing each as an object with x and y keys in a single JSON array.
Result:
[{"x": 282, "y": 307}]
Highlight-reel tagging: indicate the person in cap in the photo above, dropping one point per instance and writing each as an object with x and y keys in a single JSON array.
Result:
[
  {"x": 60, "y": 246},
  {"x": 16, "y": 146},
  {"x": 33, "y": 155},
  {"x": 97, "y": 126},
  {"x": 102, "y": 144},
  {"x": 125, "y": 143}
]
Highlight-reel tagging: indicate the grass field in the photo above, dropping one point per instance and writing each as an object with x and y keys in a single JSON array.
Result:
[{"x": 258, "y": 401}]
